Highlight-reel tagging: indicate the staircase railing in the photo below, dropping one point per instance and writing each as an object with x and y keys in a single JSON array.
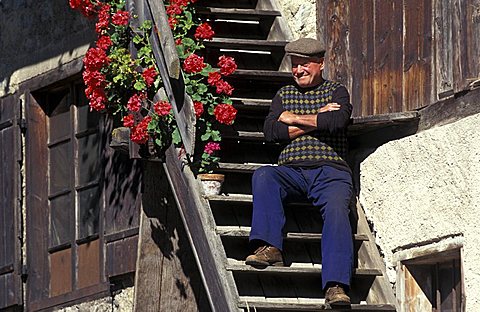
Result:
[{"x": 199, "y": 224}]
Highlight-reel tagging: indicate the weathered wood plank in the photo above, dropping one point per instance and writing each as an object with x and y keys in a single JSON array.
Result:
[
  {"x": 37, "y": 216},
  {"x": 460, "y": 45},
  {"x": 206, "y": 246},
  {"x": 166, "y": 276},
  {"x": 10, "y": 214},
  {"x": 388, "y": 57},
  {"x": 294, "y": 269},
  {"x": 443, "y": 48},
  {"x": 266, "y": 304},
  {"x": 369, "y": 256},
  {"x": 362, "y": 54},
  {"x": 417, "y": 51},
  {"x": 244, "y": 232},
  {"x": 338, "y": 56}
]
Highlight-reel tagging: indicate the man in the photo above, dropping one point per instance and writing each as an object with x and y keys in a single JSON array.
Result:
[{"x": 311, "y": 117}]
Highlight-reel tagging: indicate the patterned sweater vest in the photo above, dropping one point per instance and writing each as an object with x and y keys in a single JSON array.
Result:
[{"x": 315, "y": 147}]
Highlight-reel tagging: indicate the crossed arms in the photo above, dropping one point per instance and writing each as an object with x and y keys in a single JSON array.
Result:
[{"x": 281, "y": 125}]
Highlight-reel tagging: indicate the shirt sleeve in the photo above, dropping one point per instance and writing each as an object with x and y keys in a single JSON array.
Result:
[
  {"x": 274, "y": 130},
  {"x": 338, "y": 120}
]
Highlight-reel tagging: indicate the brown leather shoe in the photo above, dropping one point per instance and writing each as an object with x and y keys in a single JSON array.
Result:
[
  {"x": 336, "y": 296},
  {"x": 265, "y": 256}
]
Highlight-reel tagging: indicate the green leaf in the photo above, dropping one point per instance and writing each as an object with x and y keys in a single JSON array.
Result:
[
  {"x": 196, "y": 97},
  {"x": 139, "y": 85},
  {"x": 215, "y": 134},
  {"x": 205, "y": 136},
  {"x": 176, "y": 138},
  {"x": 147, "y": 25},
  {"x": 137, "y": 39},
  {"x": 202, "y": 88}
]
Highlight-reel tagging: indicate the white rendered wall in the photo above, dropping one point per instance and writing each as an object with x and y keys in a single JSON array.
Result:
[{"x": 425, "y": 188}]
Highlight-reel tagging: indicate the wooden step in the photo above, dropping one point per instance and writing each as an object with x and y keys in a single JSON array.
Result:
[
  {"x": 249, "y": 102},
  {"x": 243, "y": 135},
  {"x": 237, "y": 14},
  {"x": 244, "y": 232},
  {"x": 301, "y": 304},
  {"x": 240, "y": 168},
  {"x": 246, "y": 44},
  {"x": 295, "y": 268},
  {"x": 247, "y": 198},
  {"x": 268, "y": 75}
]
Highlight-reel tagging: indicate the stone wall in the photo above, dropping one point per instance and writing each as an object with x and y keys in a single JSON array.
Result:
[
  {"x": 300, "y": 16},
  {"x": 121, "y": 301},
  {"x": 425, "y": 189}
]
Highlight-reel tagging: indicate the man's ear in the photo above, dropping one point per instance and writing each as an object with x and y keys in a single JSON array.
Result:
[{"x": 323, "y": 63}]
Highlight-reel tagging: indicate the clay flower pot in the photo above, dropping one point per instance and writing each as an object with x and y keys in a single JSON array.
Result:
[{"x": 211, "y": 183}]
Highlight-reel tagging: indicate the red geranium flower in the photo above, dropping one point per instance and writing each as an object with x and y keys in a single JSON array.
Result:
[
  {"x": 204, "y": 31},
  {"x": 227, "y": 65},
  {"x": 86, "y": 7},
  {"x": 95, "y": 59},
  {"x": 96, "y": 97},
  {"x": 104, "y": 42},
  {"x": 172, "y": 21},
  {"x": 139, "y": 133},
  {"x": 193, "y": 64},
  {"x": 128, "y": 121},
  {"x": 198, "y": 107},
  {"x": 149, "y": 75},
  {"x": 162, "y": 108},
  {"x": 211, "y": 147},
  {"x": 225, "y": 113},
  {"x": 94, "y": 79},
  {"x": 224, "y": 87},
  {"x": 174, "y": 9},
  {"x": 120, "y": 18},
  {"x": 135, "y": 102},
  {"x": 213, "y": 78},
  {"x": 103, "y": 18}
]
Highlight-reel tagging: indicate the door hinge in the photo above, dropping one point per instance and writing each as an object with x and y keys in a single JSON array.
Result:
[
  {"x": 22, "y": 123},
  {"x": 24, "y": 274}
]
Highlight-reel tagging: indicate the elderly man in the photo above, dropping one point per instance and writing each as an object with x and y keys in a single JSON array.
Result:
[{"x": 311, "y": 118}]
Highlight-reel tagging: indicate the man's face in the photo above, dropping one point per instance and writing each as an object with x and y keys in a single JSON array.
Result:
[{"x": 307, "y": 71}]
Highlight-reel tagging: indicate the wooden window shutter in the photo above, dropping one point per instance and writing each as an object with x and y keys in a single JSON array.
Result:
[{"x": 10, "y": 203}]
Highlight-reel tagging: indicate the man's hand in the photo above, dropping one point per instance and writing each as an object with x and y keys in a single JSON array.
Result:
[
  {"x": 288, "y": 118},
  {"x": 330, "y": 107}
]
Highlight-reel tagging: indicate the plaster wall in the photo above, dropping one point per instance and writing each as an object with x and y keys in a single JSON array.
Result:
[
  {"x": 425, "y": 189},
  {"x": 300, "y": 16},
  {"x": 38, "y": 36}
]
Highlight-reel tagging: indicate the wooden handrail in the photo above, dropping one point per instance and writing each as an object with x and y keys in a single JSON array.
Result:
[{"x": 168, "y": 63}]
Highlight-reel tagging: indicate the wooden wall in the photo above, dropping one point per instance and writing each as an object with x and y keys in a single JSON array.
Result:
[{"x": 400, "y": 55}]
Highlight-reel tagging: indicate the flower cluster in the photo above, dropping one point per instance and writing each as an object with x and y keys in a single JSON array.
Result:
[{"x": 118, "y": 83}]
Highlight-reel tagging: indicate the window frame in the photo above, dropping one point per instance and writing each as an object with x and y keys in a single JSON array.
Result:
[
  {"x": 39, "y": 249},
  {"x": 425, "y": 261}
]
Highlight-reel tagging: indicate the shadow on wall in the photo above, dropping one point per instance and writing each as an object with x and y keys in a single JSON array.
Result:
[
  {"x": 362, "y": 145},
  {"x": 34, "y": 31}
]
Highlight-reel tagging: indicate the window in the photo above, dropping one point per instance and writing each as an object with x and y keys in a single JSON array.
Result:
[
  {"x": 432, "y": 283},
  {"x": 65, "y": 161}
]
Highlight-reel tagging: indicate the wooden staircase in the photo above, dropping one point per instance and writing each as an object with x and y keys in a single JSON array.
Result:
[
  {"x": 254, "y": 34},
  {"x": 217, "y": 227}
]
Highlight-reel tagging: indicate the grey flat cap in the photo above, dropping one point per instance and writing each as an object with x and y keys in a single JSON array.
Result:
[{"x": 305, "y": 47}]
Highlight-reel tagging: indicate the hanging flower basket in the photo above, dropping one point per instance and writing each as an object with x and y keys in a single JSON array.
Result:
[{"x": 211, "y": 183}]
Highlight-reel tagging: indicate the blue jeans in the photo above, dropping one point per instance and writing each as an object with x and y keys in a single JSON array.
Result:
[{"x": 327, "y": 188}]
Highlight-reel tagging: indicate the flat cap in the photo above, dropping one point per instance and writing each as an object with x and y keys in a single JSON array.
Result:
[{"x": 305, "y": 47}]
